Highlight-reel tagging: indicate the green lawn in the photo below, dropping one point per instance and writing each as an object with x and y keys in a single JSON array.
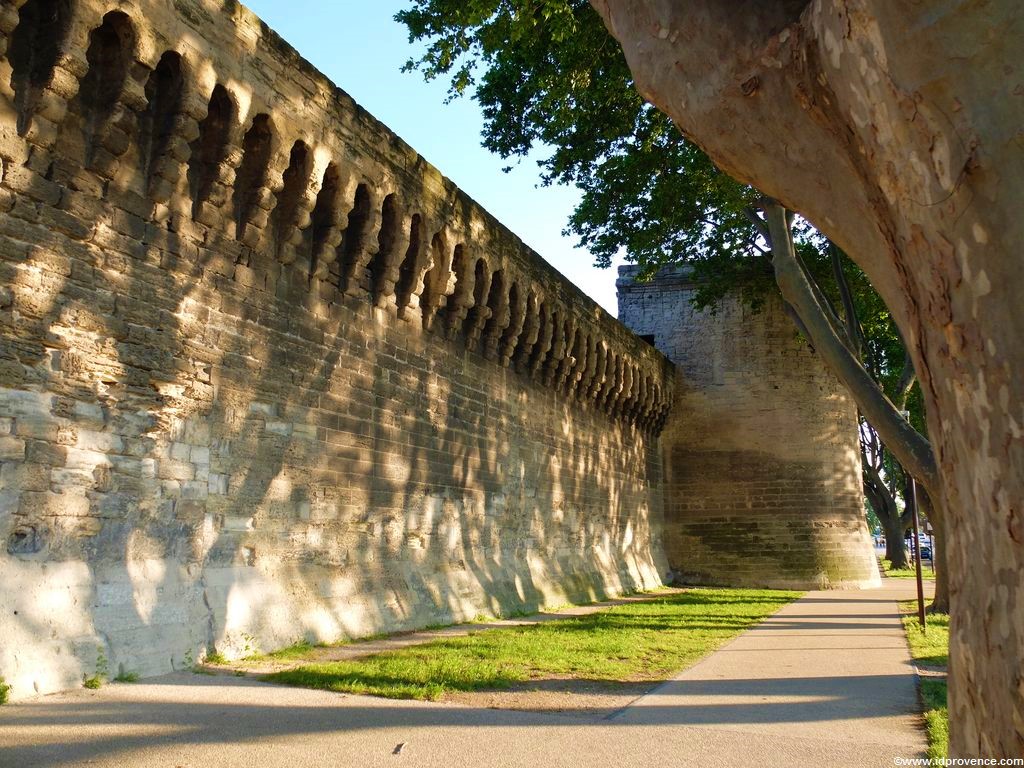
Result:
[
  {"x": 931, "y": 648},
  {"x": 627, "y": 643},
  {"x": 907, "y": 573}
]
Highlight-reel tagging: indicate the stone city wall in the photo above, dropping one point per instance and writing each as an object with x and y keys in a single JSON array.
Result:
[
  {"x": 762, "y": 461},
  {"x": 265, "y": 374}
]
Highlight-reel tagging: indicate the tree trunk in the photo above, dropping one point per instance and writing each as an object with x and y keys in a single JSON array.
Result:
[
  {"x": 884, "y": 504},
  {"x": 894, "y": 126},
  {"x": 940, "y": 602},
  {"x": 895, "y": 551}
]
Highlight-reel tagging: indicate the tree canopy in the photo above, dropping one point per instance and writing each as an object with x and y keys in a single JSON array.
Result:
[{"x": 547, "y": 74}]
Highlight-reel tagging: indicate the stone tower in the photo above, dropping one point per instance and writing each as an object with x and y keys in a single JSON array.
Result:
[{"x": 762, "y": 466}]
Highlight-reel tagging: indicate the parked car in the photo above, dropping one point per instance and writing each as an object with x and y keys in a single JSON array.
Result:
[{"x": 926, "y": 547}]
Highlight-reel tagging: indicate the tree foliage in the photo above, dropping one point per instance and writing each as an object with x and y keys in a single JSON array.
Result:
[{"x": 547, "y": 75}]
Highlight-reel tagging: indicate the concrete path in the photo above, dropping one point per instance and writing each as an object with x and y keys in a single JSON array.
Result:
[
  {"x": 826, "y": 681},
  {"x": 829, "y": 674}
]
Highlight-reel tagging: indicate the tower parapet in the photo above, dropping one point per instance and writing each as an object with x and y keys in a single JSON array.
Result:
[{"x": 204, "y": 126}]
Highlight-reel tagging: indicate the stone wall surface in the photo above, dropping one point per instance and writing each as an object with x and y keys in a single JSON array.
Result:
[
  {"x": 762, "y": 462},
  {"x": 265, "y": 374}
]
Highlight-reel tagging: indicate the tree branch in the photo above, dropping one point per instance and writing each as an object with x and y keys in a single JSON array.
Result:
[
  {"x": 907, "y": 379},
  {"x": 758, "y": 223},
  {"x": 823, "y": 301},
  {"x": 910, "y": 448},
  {"x": 795, "y": 317},
  {"x": 849, "y": 309},
  {"x": 880, "y": 495}
]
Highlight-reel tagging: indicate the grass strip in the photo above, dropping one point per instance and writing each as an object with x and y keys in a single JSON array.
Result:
[
  {"x": 627, "y": 643},
  {"x": 931, "y": 648},
  {"x": 927, "y": 571}
]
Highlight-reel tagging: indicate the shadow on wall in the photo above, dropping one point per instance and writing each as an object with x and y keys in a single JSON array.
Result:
[{"x": 216, "y": 430}]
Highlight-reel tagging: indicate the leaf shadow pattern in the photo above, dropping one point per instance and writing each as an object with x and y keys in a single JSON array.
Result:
[{"x": 224, "y": 451}]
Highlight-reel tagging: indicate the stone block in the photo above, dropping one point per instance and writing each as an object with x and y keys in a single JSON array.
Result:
[
  {"x": 194, "y": 489},
  {"x": 105, "y": 442},
  {"x": 303, "y": 431},
  {"x": 266, "y": 410},
  {"x": 25, "y": 476},
  {"x": 282, "y": 428},
  {"x": 48, "y": 504},
  {"x": 217, "y": 484},
  {"x": 9, "y": 500},
  {"x": 126, "y": 465},
  {"x": 175, "y": 470},
  {"x": 64, "y": 479},
  {"x": 180, "y": 451},
  {"x": 42, "y": 452},
  {"x": 11, "y": 448},
  {"x": 170, "y": 488},
  {"x": 190, "y": 510},
  {"x": 237, "y": 523},
  {"x": 85, "y": 459},
  {"x": 88, "y": 414},
  {"x": 36, "y": 427}
]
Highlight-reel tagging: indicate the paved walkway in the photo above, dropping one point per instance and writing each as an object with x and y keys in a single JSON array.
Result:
[{"x": 826, "y": 681}]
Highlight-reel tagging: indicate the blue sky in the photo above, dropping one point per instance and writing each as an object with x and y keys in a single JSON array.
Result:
[{"x": 361, "y": 48}]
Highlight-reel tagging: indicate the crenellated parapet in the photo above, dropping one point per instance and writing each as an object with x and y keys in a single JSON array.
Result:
[
  {"x": 209, "y": 128},
  {"x": 265, "y": 372}
]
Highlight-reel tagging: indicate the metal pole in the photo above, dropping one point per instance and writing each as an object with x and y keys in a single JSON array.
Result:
[
  {"x": 917, "y": 546},
  {"x": 917, "y": 559}
]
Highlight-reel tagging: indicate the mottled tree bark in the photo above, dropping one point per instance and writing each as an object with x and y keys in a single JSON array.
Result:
[{"x": 894, "y": 126}]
